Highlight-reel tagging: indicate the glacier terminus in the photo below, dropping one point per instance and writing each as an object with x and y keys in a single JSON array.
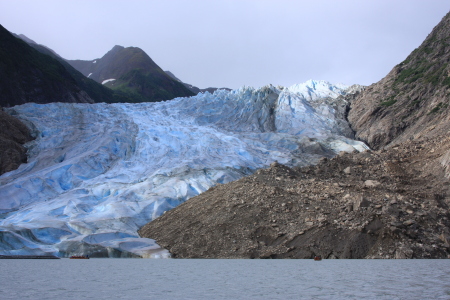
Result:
[{"x": 96, "y": 173}]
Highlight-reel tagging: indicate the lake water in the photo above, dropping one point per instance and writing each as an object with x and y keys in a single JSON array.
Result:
[{"x": 224, "y": 279}]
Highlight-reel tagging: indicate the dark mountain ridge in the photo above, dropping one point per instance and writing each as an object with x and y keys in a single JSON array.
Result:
[
  {"x": 37, "y": 46},
  {"x": 96, "y": 91},
  {"x": 26, "y": 75},
  {"x": 193, "y": 88}
]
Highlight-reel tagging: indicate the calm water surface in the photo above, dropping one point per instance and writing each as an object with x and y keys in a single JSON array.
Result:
[{"x": 224, "y": 279}]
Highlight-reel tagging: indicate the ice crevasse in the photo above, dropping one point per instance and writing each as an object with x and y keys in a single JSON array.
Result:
[{"x": 96, "y": 173}]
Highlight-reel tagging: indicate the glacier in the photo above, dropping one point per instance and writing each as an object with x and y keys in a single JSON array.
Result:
[{"x": 96, "y": 173}]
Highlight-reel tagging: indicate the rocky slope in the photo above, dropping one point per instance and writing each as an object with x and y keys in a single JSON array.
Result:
[
  {"x": 389, "y": 203},
  {"x": 381, "y": 204},
  {"x": 132, "y": 72},
  {"x": 413, "y": 100},
  {"x": 13, "y": 134}
]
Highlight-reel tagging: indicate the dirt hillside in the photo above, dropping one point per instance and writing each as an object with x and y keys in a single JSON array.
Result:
[{"x": 382, "y": 204}]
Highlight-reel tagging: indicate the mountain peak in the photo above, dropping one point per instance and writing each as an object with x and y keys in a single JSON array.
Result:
[
  {"x": 133, "y": 72},
  {"x": 114, "y": 50}
]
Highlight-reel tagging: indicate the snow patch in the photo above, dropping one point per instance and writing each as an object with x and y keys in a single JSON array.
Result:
[
  {"x": 107, "y": 80},
  {"x": 89, "y": 75}
]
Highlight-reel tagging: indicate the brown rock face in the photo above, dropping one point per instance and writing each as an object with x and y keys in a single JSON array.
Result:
[
  {"x": 392, "y": 204},
  {"x": 13, "y": 134},
  {"x": 413, "y": 100}
]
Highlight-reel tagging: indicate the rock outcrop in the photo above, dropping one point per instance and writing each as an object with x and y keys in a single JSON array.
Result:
[
  {"x": 413, "y": 100},
  {"x": 13, "y": 134},
  {"x": 382, "y": 204}
]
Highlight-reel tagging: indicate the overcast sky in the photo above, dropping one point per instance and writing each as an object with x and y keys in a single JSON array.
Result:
[{"x": 230, "y": 43}]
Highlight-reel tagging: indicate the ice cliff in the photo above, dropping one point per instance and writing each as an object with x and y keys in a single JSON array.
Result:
[{"x": 98, "y": 172}]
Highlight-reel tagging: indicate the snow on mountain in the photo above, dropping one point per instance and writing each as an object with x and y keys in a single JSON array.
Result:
[
  {"x": 107, "y": 80},
  {"x": 98, "y": 172},
  {"x": 312, "y": 89}
]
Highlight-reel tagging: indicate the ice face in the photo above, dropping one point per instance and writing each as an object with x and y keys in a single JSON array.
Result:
[
  {"x": 98, "y": 172},
  {"x": 312, "y": 89}
]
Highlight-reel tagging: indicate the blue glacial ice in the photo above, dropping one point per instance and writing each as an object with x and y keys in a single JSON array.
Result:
[{"x": 98, "y": 172}]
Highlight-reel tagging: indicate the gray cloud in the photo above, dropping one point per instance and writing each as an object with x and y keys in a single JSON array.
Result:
[{"x": 233, "y": 43}]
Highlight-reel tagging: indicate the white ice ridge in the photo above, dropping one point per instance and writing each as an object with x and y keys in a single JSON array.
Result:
[
  {"x": 98, "y": 172},
  {"x": 313, "y": 89}
]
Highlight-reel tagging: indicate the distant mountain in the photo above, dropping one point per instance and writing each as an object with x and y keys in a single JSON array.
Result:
[
  {"x": 27, "y": 75},
  {"x": 37, "y": 46},
  {"x": 132, "y": 72},
  {"x": 412, "y": 101},
  {"x": 195, "y": 89}
]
